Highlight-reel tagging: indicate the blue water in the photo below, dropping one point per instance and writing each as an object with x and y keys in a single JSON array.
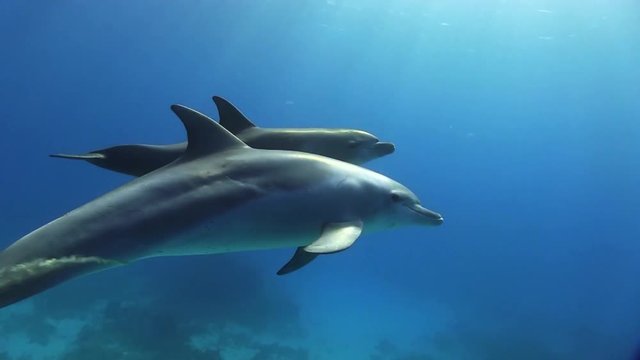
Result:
[{"x": 518, "y": 120}]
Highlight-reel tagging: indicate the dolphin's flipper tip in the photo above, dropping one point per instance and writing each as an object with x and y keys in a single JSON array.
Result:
[
  {"x": 299, "y": 259},
  {"x": 89, "y": 156}
]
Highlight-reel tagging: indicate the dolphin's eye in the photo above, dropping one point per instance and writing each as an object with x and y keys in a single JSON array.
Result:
[
  {"x": 353, "y": 144},
  {"x": 395, "y": 197}
]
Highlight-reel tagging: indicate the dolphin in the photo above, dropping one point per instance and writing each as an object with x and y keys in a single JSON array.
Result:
[
  {"x": 219, "y": 196},
  {"x": 354, "y": 146}
]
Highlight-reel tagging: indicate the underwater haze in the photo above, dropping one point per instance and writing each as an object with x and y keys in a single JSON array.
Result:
[{"x": 519, "y": 121}]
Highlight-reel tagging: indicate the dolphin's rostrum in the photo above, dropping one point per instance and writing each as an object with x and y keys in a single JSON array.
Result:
[{"x": 219, "y": 196}]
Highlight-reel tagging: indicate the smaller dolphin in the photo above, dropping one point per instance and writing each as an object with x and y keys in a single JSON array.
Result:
[{"x": 353, "y": 146}]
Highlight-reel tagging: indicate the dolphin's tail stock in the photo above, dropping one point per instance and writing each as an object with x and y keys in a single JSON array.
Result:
[{"x": 20, "y": 281}]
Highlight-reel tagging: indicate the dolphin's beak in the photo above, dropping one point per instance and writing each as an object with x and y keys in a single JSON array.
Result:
[
  {"x": 384, "y": 148},
  {"x": 430, "y": 217}
]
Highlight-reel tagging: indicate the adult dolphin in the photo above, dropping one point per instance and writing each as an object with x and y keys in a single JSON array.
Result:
[
  {"x": 219, "y": 196},
  {"x": 354, "y": 146}
]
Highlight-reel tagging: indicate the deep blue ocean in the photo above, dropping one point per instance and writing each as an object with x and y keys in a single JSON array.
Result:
[{"x": 519, "y": 121}]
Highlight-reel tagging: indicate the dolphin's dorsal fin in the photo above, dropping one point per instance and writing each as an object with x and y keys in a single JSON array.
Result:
[
  {"x": 336, "y": 237},
  {"x": 230, "y": 117},
  {"x": 204, "y": 135}
]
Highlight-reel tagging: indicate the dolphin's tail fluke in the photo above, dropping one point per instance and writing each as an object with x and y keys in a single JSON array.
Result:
[
  {"x": 89, "y": 156},
  {"x": 20, "y": 281}
]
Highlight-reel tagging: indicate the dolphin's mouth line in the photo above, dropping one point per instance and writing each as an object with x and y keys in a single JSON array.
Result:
[
  {"x": 432, "y": 216},
  {"x": 384, "y": 147}
]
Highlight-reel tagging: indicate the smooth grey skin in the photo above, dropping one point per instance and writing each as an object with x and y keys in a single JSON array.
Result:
[
  {"x": 354, "y": 146},
  {"x": 219, "y": 196}
]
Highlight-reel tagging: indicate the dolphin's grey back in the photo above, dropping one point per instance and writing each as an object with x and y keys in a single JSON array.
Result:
[{"x": 125, "y": 224}]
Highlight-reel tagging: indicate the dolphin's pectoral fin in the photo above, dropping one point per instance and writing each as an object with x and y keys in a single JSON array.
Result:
[
  {"x": 336, "y": 237},
  {"x": 231, "y": 118},
  {"x": 298, "y": 260},
  {"x": 88, "y": 156},
  {"x": 23, "y": 280}
]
